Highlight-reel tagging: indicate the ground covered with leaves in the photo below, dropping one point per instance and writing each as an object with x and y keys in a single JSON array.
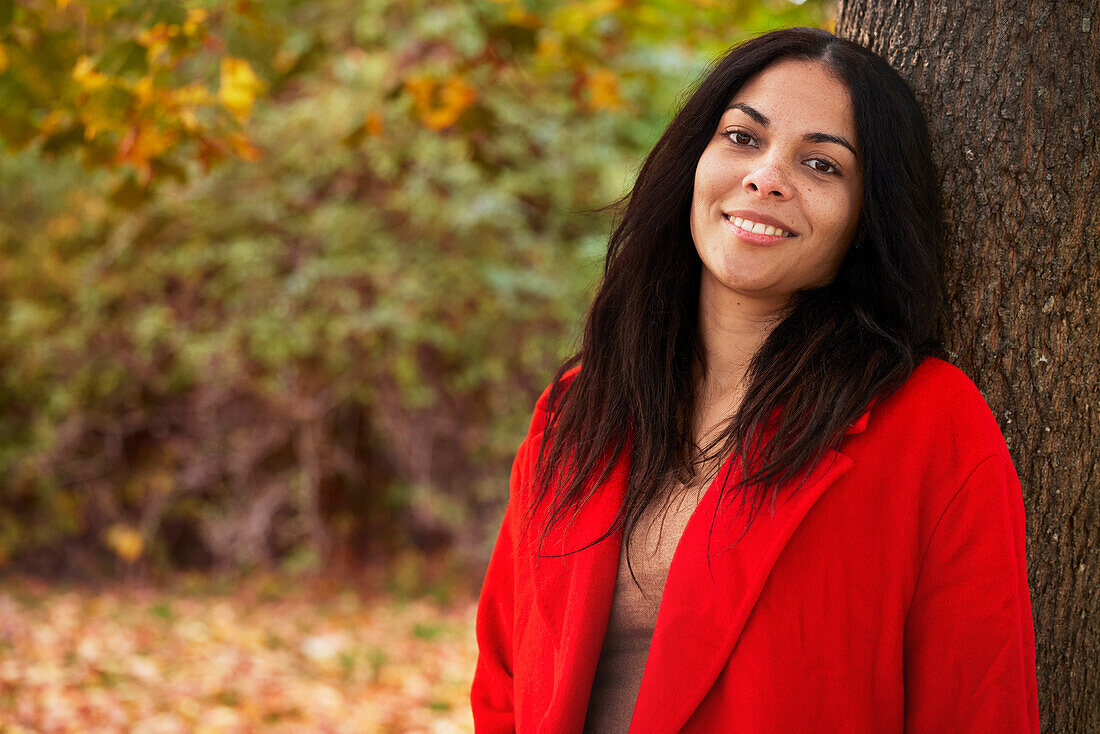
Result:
[{"x": 266, "y": 655}]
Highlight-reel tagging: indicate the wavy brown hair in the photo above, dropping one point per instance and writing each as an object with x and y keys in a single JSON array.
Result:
[{"x": 836, "y": 349}]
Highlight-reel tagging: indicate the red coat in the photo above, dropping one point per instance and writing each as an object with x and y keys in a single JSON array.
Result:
[{"x": 888, "y": 594}]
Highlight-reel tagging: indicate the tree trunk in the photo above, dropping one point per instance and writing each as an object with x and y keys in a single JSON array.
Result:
[{"x": 1012, "y": 95}]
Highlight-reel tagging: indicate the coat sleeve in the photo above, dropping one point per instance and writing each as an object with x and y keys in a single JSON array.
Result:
[
  {"x": 492, "y": 692},
  {"x": 969, "y": 658}
]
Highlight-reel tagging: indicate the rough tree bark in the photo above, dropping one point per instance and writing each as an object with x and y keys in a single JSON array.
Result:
[{"x": 1012, "y": 94}]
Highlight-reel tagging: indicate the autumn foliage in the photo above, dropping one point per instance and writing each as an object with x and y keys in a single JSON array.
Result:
[
  {"x": 262, "y": 657},
  {"x": 282, "y": 280}
]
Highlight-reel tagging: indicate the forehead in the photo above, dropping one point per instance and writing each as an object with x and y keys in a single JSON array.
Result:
[{"x": 800, "y": 94}]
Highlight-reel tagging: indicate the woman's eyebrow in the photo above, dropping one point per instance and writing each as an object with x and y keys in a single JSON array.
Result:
[
  {"x": 760, "y": 119},
  {"x": 828, "y": 138},
  {"x": 756, "y": 116}
]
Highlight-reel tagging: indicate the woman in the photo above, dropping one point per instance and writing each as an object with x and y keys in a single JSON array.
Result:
[{"x": 754, "y": 501}]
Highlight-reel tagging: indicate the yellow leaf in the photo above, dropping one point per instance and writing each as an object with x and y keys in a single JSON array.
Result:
[
  {"x": 84, "y": 73},
  {"x": 143, "y": 143},
  {"x": 574, "y": 18},
  {"x": 190, "y": 95},
  {"x": 154, "y": 34},
  {"x": 520, "y": 16},
  {"x": 156, "y": 40},
  {"x": 53, "y": 121},
  {"x": 420, "y": 87},
  {"x": 239, "y": 87},
  {"x": 154, "y": 141},
  {"x": 143, "y": 89},
  {"x": 373, "y": 124},
  {"x": 455, "y": 96},
  {"x": 603, "y": 90},
  {"x": 155, "y": 49},
  {"x": 244, "y": 148},
  {"x": 549, "y": 46},
  {"x": 3, "y": 58},
  {"x": 125, "y": 541},
  {"x": 195, "y": 19},
  {"x": 189, "y": 120}
]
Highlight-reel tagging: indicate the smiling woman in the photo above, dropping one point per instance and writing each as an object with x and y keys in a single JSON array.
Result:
[
  {"x": 780, "y": 160},
  {"x": 764, "y": 336}
]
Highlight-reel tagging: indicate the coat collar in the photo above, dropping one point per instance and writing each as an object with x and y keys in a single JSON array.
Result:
[{"x": 704, "y": 606}]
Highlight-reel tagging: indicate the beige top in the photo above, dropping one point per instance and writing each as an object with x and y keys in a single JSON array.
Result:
[{"x": 634, "y": 611}]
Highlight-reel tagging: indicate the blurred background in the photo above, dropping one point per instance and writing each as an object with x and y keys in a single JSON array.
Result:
[{"x": 281, "y": 282}]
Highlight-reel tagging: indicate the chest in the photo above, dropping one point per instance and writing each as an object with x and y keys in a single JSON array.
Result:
[{"x": 816, "y": 588}]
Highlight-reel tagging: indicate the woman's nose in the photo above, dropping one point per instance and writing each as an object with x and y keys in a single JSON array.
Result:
[{"x": 768, "y": 179}]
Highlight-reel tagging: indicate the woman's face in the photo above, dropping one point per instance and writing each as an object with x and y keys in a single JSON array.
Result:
[{"x": 783, "y": 156}]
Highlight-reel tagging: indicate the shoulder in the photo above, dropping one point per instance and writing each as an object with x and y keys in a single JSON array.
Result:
[
  {"x": 550, "y": 399},
  {"x": 926, "y": 441},
  {"x": 941, "y": 383},
  {"x": 939, "y": 405}
]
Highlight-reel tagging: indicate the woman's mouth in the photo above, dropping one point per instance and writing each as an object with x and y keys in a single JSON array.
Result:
[{"x": 758, "y": 228}]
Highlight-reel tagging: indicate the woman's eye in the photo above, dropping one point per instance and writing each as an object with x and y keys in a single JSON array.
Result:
[
  {"x": 739, "y": 137},
  {"x": 822, "y": 166}
]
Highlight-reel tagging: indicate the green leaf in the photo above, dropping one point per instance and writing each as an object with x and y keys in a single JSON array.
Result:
[{"x": 123, "y": 59}]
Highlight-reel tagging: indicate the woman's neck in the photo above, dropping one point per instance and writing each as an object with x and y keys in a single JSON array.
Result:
[{"x": 732, "y": 327}]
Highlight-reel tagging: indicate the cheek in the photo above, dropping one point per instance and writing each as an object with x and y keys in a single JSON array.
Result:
[
  {"x": 700, "y": 205},
  {"x": 836, "y": 214},
  {"x": 710, "y": 178},
  {"x": 710, "y": 187}
]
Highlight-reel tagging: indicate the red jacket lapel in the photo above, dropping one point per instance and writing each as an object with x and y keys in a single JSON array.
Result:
[
  {"x": 574, "y": 585},
  {"x": 706, "y": 602},
  {"x": 703, "y": 608}
]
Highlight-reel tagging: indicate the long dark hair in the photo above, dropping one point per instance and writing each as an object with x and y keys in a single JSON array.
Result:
[{"x": 837, "y": 348}]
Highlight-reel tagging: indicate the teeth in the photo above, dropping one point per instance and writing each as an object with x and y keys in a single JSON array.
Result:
[{"x": 758, "y": 228}]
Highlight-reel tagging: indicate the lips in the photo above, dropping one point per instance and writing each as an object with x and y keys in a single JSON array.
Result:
[{"x": 756, "y": 226}]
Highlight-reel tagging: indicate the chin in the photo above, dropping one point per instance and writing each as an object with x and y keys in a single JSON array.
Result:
[{"x": 746, "y": 285}]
